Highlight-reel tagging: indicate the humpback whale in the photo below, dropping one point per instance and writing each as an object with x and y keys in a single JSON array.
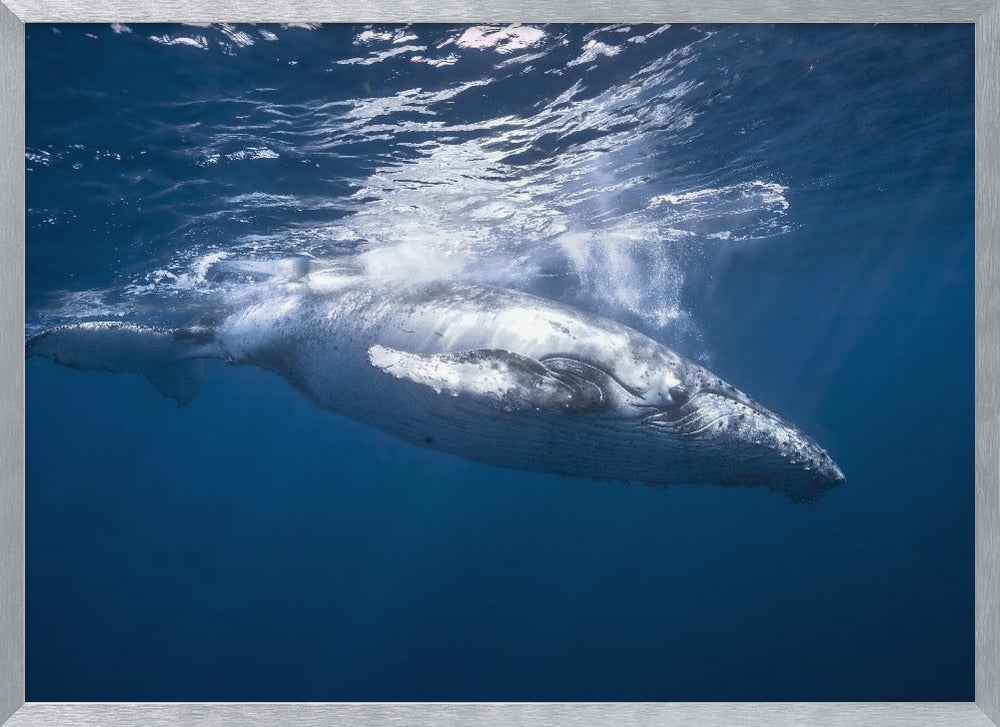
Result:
[{"x": 482, "y": 372}]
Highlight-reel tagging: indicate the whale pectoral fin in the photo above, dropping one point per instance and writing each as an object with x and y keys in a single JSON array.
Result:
[
  {"x": 180, "y": 380},
  {"x": 170, "y": 359},
  {"x": 506, "y": 379}
]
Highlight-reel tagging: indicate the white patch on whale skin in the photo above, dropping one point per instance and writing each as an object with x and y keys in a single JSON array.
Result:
[
  {"x": 480, "y": 378},
  {"x": 502, "y": 378}
]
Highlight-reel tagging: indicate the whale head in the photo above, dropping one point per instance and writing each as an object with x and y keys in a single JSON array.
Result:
[
  {"x": 656, "y": 417},
  {"x": 633, "y": 413},
  {"x": 728, "y": 437}
]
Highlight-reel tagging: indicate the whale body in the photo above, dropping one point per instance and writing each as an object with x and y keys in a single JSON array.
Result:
[{"x": 486, "y": 373}]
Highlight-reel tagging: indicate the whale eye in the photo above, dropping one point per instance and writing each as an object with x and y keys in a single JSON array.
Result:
[
  {"x": 679, "y": 396},
  {"x": 583, "y": 379}
]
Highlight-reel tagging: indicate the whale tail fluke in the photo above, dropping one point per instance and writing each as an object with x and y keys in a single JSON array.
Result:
[{"x": 172, "y": 359}]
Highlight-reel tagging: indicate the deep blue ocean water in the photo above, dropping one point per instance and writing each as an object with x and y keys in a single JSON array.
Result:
[{"x": 791, "y": 206}]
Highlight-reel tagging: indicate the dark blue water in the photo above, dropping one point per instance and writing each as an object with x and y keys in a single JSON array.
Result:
[{"x": 792, "y": 206}]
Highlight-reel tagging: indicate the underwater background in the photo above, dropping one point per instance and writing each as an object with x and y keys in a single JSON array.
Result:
[{"x": 791, "y": 206}]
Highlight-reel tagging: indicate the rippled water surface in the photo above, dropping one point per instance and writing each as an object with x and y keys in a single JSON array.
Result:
[{"x": 790, "y": 206}]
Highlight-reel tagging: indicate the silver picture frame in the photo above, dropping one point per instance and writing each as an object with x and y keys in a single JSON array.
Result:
[{"x": 985, "y": 14}]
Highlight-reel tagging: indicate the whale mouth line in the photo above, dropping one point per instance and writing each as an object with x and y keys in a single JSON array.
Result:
[
  {"x": 714, "y": 411},
  {"x": 689, "y": 410}
]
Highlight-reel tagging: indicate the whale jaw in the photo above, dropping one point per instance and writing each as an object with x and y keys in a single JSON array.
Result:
[{"x": 748, "y": 445}]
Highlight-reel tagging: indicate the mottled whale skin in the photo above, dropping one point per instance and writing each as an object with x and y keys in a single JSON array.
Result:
[{"x": 482, "y": 372}]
